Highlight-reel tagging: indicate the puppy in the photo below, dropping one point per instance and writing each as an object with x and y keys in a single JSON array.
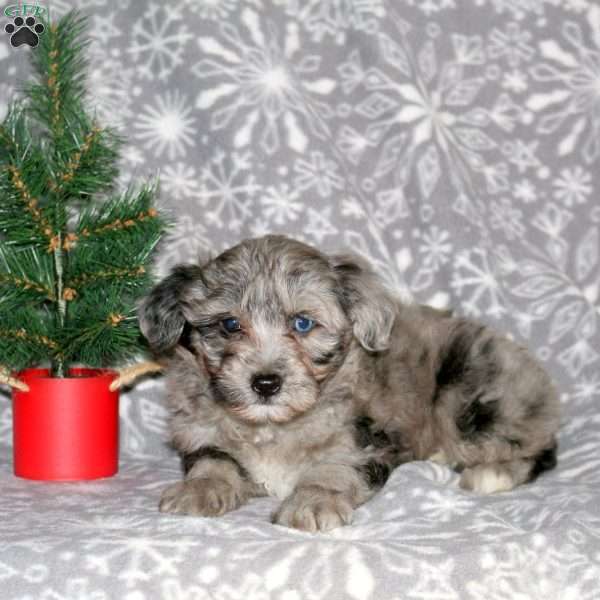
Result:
[{"x": 298, "y": 375}]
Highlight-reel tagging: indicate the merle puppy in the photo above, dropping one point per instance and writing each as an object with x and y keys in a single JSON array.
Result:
[{"x": 296, "y": 374}]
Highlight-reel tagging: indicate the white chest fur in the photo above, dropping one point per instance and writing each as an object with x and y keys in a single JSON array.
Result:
[
  {"x": 276, "y": 456},
  {"x": 271, "y": 463}
]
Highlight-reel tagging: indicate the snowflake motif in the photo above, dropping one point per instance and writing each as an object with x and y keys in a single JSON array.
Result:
[
  {"x": 137, "y": 555},
  {"x": 319, "y": 224},
  {"x": 522, "y": 155},
  {"x": 427, "y": 114},
  {"x": 435, "y": 247},
  {"x": 445, "y": 507},
  {"x": 334, "y": 17},
  {"x": 472, "y": 271},
  {"x": 281, "y": 204},
  {"x": 573, "y": 186},
  {"x": 179, "y": 180},
  {"x": 159, "y": 40},
  {"x": 535, "y": 571},
  {"x": 103, "y": 28},
  {"x": 167, "y": 127},
  {"x": 503, "y": 216},
  {"x": 515, "y": 81},
  {"x": 573, "y": 103},
  {"x": 525, "y": 191},
  {"x": 562, "y": 290},
  {"x": 265, "y": 83},
  {"x": 318, "y": 172},
  {"x": 512, "y": 44},
  {"x": 228, "y": 188}
]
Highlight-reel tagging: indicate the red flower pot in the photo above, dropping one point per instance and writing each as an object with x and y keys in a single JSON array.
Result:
[{"x": 66, "y": 429}]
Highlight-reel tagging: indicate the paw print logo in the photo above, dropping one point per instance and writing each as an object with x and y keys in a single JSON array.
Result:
[{"x": 24, "y": 31}]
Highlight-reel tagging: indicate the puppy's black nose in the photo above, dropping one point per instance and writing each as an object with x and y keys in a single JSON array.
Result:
[{"x": 266, "y": 384}]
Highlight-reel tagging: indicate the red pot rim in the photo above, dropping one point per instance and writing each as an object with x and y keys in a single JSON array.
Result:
[{"x": 75, "y": 373}]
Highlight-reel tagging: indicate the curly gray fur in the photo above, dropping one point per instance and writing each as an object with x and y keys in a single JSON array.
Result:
[{"x": 374, "y": 384}]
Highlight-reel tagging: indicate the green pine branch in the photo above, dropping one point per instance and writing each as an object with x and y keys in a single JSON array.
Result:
[
  {"x": 57, "y": 96},
  {"x": 25, "y": 275},
  {"x": 87, "y": 165},
  {"x": 110, "y": 337},
  {"x": 24, "y": 217},
  {"x": 27, "y": 337},
  {"x": 74, "y": 256},
  {"x": 129, "y": 216}
]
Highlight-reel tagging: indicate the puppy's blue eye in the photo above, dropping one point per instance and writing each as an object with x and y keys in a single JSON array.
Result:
[
  {"x": 303, "y": 324},
  {"x": 231, "y": 325}
]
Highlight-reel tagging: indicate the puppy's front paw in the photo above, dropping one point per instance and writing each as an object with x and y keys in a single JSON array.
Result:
[
  {"x": 208, "y": 497},
  {"x": 314, "y": 509}
]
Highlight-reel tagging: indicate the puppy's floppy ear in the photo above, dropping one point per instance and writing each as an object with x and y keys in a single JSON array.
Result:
[
  {"x": 366, "y": 301},
  {"x": 161, "y": 313}
]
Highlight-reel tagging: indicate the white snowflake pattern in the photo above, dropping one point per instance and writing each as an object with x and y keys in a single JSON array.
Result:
[
  {"x": 473, "y": 271},
  {"x": 139, "y": 556},
  {"x": 435, "y": 247},
  {"x": 318, "y": 172},
  {"x": 445, "y": 506},
  {"x": 515, "y": 81},
  {"x": 562, "y": 287},
  {"x": 265, "y": 83},
  {"x": 525, "y": 191},
  {"x": 573, "y": 186},
  {"x": 503, "y": 216},
  {"x": 167, "y": 127},
  {"x": 573, "y": 103},
  {"x": 535, "y": 571},
  {"x": 158, "y": 41},
  {"x": 426, "y": 119},
  {"x": 228, "y": 189},
  {"x": 281, "y": 203},
  {"x": 179, "y": 180},
  {"x": 104, "y": 28},
  {"x": 513, "y": 43},
  {"x": 319, "y": 224}
]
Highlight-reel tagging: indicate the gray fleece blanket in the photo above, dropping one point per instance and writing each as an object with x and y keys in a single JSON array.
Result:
[{"x": 456, "y": 145}]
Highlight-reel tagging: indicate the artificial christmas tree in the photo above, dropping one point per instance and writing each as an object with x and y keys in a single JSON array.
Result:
[{"x": 74, "y": 260}]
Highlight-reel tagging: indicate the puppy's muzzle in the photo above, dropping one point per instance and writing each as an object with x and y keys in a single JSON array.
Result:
[{"x": 266, "y": 384}]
